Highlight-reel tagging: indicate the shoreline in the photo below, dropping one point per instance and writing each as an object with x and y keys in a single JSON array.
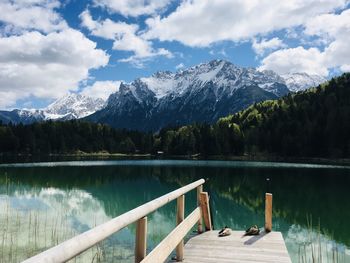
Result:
[{"x": 13, "y": 158}]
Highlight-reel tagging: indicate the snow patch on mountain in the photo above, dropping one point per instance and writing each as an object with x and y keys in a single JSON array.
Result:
[
  {"x": 73, "y": 106},
  {"x": 302, "y": 81},
  {"x": 160, "y": 83},
  {"x": 224, "y": 76}
]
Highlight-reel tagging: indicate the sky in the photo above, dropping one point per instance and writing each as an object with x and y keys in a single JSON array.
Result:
[{"x": 49, "y": 48}]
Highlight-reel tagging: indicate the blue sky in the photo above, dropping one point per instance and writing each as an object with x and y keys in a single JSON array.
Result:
[{"x": 51, "y": 48}]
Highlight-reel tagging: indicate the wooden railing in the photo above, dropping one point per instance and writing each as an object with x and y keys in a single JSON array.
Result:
[{"x": 78, "y": 244}]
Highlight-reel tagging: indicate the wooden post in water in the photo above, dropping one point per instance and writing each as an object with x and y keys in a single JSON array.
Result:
[
  {"x": 268, "y": 212},
  {"x": 199, "y": 191},
  {"x": 180, "y": 215},
  {"x": 141, "y": 239},
  {"x": 206, "y": 210}
]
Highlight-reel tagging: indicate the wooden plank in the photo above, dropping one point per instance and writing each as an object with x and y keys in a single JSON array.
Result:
[
  {"x": 204, "y": 198},
  {"x": 141, "y": 239},
  {"x": 199, "y": 191},
  {"x": 162, "y": 251},
  {"x": 180, "y": 215},
  {"x": 268, "y": 212},
  {"x": 208, "y": 247}
]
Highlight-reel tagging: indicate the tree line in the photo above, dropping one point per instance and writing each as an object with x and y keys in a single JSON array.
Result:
[
  {"x": 313, "y": 123},
  {"x": 59, "y": 137}
]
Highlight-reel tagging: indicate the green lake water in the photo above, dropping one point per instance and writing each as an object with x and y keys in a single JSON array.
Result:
[{"x": 42, "y": 204}]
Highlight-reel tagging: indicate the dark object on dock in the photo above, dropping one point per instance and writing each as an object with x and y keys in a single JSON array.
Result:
[
  {"x": 226, "y": 231},
  {"x": 252, "y": 231}
]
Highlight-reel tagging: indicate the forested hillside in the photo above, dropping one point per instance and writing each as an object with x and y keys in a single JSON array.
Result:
[{"x": 313, "y": 123}]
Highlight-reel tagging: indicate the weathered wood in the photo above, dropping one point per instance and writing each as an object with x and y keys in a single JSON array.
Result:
[
  {"x": 141, "y": 239},
  {"x": 164, "y": 248},
  {"x": 199, "y": 191},
  {"x": 268, "y": 212},
  {"x": 206, "y": 210},
  {"x": 78, "y": 244},
  {"x": 208, "y": 247},
  {"x": 180, "y": 215}
]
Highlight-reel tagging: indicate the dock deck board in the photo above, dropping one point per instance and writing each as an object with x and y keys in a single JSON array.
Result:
[{"x": 208, "y": 247}]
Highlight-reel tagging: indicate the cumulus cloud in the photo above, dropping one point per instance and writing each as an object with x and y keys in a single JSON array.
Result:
[
  {"x": 296, "y": 59},
  {"x": 101, "y": 89},
  {"x": 45, "y": 66},
  {"x": 199, "y": 23},
  {"x": 333, "y": 29},
  {"x": 125, "y": 37},
  {"x": 31, "y": 14},
  {"x": 133, "y": 8},
  {"x": 265, "y": 45},
  {"x": 328, "y": 25}
]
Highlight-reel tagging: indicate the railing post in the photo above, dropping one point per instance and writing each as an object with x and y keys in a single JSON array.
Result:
[
  {"x": 141, "y": 239},
  {"x": 268, "y": 212},
  {"x": 199, "y": 191},
  {"x": 180, "y": 215},
  {"x": 206, "y": 210}
]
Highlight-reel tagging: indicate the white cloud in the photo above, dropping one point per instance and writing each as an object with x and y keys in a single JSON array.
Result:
[
  {"x": 265, "y": 45},
  {"x": 134, "y": 7},
  {"x": 31, "y": 14},
  {"x": 125, "y": 37},
  {"x": 203, "y": 22},
  {"x": 333, "y": 29},
  {"x": 101, "y": 89},
  {"x": 45, "y": 66},
  {"x": 328, "y": 25},
  {"x": 296, "y": 59}
]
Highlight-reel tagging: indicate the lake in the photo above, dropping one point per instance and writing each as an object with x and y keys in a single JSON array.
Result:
[{"x": 43, "y": 204}]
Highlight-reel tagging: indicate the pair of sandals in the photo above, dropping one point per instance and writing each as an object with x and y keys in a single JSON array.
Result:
[{"x": 251, "y": 231}]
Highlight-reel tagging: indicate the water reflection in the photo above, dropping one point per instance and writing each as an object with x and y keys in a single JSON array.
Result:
[{"x": 72, "y": 199}]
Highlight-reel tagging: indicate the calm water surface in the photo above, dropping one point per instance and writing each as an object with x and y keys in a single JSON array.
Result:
[{"x": 42, "y": 204}]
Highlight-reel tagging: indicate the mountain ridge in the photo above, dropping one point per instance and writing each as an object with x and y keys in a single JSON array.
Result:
[
  {"x": 201, "y": 93},
  {"x": 70, "y": 106}
]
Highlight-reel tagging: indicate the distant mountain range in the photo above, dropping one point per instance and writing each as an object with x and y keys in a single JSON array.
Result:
[
  {"x": 202, "y": 93},
  {"x": 71, "y": 106},
  {"x": 302, "y": 81}
]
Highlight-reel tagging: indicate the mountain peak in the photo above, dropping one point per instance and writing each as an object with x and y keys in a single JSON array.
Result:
[
  {"x": 299, "y": 81},
  {"x": 163, "y": 74},
  {"x": 73, "y": 105}
]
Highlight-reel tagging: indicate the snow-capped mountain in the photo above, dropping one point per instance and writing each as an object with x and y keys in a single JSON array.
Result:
[
  {"x": 22, "y": 116},
  {"x": 302, "y": 81},
  {"x": 71, "y": 106},
  {"x": 202, "y": 93}
]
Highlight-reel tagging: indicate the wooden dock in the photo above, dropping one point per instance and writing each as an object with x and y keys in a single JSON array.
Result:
[
  {"x": 209, "y": 248},
  {"x": 205, "y": 247}
]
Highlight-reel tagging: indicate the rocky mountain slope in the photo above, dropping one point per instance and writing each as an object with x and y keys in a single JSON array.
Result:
[
  {"x": 202, "y": 93},
  {"x": 302, "y": 81},
  {"x": 71, "y": 106}
]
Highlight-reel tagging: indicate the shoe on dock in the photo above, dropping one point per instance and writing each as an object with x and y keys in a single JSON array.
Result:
[
  {"x": 252, "y": 231},
  {"x": 226, "y": 231}
]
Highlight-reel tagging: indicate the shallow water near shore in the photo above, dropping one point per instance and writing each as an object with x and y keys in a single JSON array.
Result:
[{"x": 42, "y": 204}]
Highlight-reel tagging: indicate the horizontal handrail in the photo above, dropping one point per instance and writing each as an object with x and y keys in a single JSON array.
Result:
[
  {"x": 78, "y": 244},
  {"x": 161, "y": 252}
]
